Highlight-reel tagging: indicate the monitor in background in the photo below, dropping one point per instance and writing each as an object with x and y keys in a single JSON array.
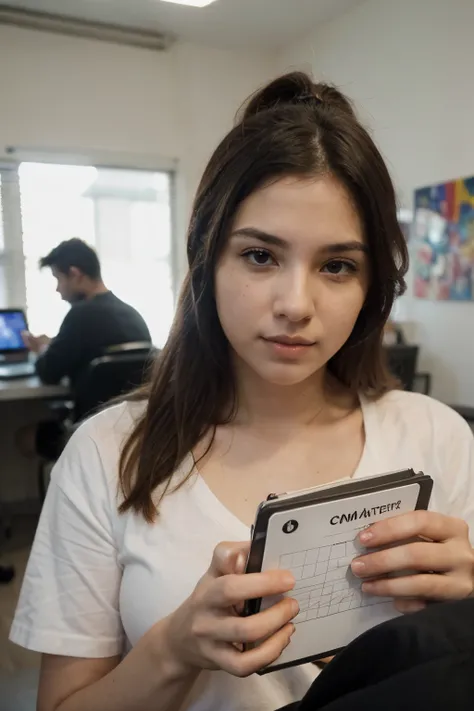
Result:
[{"x": 12, "y": 323}]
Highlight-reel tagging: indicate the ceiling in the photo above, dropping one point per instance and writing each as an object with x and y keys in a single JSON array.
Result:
[{"x": 226, "y": 23}]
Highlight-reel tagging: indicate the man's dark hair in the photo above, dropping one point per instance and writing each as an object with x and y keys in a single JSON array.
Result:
[{"x": 73, "y": 253}]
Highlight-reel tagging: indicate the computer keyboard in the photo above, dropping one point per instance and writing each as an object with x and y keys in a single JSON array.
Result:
[{"x": 16, "y": 370}]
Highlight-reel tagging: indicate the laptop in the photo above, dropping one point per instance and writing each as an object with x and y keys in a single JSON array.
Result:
[{"x": 14, "y": 355}]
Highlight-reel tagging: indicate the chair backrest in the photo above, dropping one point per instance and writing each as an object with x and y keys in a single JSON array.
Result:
[
  {"x": 121, "y": 369},
  {"x": 130, "y": 347},
  {"x": 402, "y": 360}
]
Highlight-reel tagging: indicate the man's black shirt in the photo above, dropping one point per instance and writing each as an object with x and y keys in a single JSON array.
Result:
[{"x": 89, "y": 327}]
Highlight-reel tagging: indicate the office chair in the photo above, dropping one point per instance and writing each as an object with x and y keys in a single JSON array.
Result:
[
  {"x": 119, "y": 370},
  {"x": 402, "y": 360}
]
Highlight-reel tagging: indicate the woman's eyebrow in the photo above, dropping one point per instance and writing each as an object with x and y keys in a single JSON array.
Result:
[
  {"x": 275, "y": 241},
  {"x": 339, "y": 247},
  {"x": 255, "y": 233}
]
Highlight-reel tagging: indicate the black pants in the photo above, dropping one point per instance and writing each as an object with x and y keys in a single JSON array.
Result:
[{"x": 423, "y": 661}]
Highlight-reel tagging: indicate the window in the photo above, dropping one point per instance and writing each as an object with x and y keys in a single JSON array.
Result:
[{"x": 124, "y": 214}]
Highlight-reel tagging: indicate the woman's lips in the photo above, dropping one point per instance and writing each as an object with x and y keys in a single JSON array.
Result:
[{"x": 289, "y": 347}]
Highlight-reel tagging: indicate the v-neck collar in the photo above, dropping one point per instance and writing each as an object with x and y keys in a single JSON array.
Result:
[{"x": 216, "y": 510}]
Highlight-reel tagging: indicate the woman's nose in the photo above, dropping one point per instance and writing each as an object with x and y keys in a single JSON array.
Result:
[{"x": 295, "y": 300}]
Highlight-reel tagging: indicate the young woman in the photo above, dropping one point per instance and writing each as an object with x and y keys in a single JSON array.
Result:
[{"x": 273, "y": 379}]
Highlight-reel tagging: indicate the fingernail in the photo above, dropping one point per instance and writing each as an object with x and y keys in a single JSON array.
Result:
[
  {"x": 357, "y": 566},
  {"x": 295, "y": 608},
  {"x": 288, "y": 580},
  {"x": 366, "y": 536},
  {"x": 367, "y": 587}
]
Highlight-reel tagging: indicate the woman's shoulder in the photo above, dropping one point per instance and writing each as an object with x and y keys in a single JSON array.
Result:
[
  {"x": 90, "y": 460},
  {"x": 113, "y": 424},
  {"x": 422, "y": 413}
]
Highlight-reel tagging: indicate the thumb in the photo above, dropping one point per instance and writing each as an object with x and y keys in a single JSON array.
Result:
[{"x": 229, "y": 559}]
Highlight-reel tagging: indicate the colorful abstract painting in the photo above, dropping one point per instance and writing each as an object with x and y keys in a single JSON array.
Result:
[{"x": 444, "y": 241}]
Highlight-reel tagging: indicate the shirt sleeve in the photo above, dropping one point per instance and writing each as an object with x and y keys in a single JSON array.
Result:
[
  {"x": 65, "y": 352},
  {"x": 456, "y": 440},
  {"x": 69, "y": 601}
]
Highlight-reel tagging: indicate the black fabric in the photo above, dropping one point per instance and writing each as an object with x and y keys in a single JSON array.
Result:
[
  {"x": 89, "y": 327},
  {"x": 50, "y": 439},
  {"x": 7, "y": 573},
  {"x": 423, "y": 661},
  {"x": 110, "y": 378}
]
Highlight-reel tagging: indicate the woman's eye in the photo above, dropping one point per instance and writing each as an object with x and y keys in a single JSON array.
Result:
[
  {"x": 259, "y": 257},
  {"x": 338, "y": 267}
]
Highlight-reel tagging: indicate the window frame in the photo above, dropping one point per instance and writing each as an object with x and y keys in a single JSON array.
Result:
[{"x": 12, "y": 256}]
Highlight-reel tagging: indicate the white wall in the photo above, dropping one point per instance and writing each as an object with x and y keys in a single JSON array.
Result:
[
  {"x": 66, "y": 93},
  {"x": 407, "y": 66}
]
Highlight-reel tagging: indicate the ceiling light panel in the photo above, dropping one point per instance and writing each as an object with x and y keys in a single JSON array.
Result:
[{"x": 191, "y": 3}]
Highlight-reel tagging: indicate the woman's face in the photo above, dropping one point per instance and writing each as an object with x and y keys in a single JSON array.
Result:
[{"x": 292, "y": 278}]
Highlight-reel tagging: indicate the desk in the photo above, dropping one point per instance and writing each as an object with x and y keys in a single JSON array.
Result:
[
  {"x": 23, "y": 401},
  {"x": 31, "y": 388}
]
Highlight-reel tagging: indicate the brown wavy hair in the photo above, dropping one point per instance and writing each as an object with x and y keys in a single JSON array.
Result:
[{"x": 291, "y": 127}]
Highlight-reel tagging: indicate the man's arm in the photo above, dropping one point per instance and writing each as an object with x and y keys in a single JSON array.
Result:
[
  {"x": 36, "y": 344},
  {"x": 64, "y": 353}
]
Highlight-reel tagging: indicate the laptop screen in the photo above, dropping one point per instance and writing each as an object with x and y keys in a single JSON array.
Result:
[{"x": 12, "y": 323}]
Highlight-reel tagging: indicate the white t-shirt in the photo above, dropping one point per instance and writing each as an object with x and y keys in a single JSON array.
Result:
[{"x": 97, "y": 581}]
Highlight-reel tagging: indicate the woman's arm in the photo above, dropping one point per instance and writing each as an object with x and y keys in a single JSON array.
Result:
[
  {"x": 146, "y": 679},
  {"x": 69, "y": 603},
  {"x": 205, "y": 632}
]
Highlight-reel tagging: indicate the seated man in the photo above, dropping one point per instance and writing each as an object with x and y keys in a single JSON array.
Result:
[{"x": 97, "y": 319}]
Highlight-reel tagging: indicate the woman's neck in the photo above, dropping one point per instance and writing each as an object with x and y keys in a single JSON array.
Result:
[{"x": 263, "y": 403}]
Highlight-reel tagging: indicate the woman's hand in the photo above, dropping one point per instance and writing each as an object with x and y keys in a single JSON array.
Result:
[
  {"x": 206, "y": 632},
  {"x": 444, "y": 558}
]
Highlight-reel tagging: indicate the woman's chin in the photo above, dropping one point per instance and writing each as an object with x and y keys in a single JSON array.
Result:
[{"x": 286, "y": 375}]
